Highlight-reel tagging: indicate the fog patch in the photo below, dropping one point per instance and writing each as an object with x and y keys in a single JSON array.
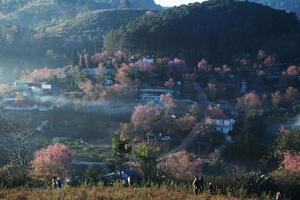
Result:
[{"x": 107, "y": 106}]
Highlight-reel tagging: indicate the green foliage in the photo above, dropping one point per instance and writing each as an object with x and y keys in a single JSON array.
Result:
[
  {"x": 10, "y": 177},
  {"x": 147, "y": 155},
  {"x": 249, "y": 140},
  {"x": 211, "y": 30},
  {"x": 121, "y": 150},
  {"x": 91, "y": 175},
  {"x": 288, "y": 182},
  {"x": 289, "y": 141},
  {"x": 51, "y": 25},
  {"x": 256, "y": 182}
]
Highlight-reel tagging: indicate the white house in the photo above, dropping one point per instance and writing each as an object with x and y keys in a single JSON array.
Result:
[
  {"x": 46, "y": 86},
  {"x": 148, "y": 60},
  {"x": 223, "y": 125},
  {"x": 221, "y": 122}
]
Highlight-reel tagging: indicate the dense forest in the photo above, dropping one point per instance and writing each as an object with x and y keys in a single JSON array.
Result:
[{"x": 211, "y": 30}]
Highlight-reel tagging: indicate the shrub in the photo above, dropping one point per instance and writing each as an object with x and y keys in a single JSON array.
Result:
[
  {"x": 288, "y": 182},
  {"x": 182, "y": 165},
  {"x": 10, "y": 178},
  {"x": 256, "y": 182}
]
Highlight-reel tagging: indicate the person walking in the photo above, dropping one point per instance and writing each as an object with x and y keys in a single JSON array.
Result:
[
  {"x": 210, "y": 188},
  {"x": 130, "y": 181},
  {"x": 201, "y": 184},
  {"x": 58, "y": 182},
  {"x": 54, "y": 182},
  {"x": 196, "y": 185}
]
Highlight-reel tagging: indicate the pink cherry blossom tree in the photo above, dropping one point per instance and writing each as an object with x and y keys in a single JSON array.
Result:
[
  {"x": 4, "y": 89},
  {"x": 277, "y": 98},
  {"x": 202, "y": 64},
  {"x": 146, "y": 117},
  {"x": 55, "y": 160},
  {"x": 182, "y": 165},
  {"x": 292, "y": 70},
  {"x": 101, "y": 57},
  {"x": 44, "y": 74},
  {"x": 167, "y": 100},
  {"x": 291, "y": 161},
  {"x": 170, "y": 83},
  {"x": 291, "y": 94},
  {"x": 250, "y": 103},
  {"x": 177, "y": 67}
]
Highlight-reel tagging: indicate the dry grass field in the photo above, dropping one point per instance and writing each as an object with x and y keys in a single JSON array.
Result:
[{"x": 104, "y": 193}]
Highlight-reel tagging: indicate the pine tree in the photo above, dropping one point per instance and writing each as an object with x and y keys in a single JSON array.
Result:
[
  {"x": 75, "y": 58},
  {"x": 82, "y": 61}
]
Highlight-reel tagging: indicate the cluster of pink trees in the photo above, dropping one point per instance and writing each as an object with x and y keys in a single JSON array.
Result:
[
  {"x": 143, "y": 66},
  {"x": 185, "y": 123},
  {"x": 167, "y": 100},
  {"x": 177, "y": 67},
  {"x": 146, "y": 117},
  {"x": 265, "y": 58},
  {"x": 55, "y": 160},
  {"x": 202, "y": 64},
  {"x": 289, "y": 96},
  {"x": 45, "y": 74},
  {"x": 3, "y": 89},
  {"x": 291, "y": 161},
  {"x": 102, "y": 57},
  {"x": 293, "y": 70},
  {"x": 182, "y": 164},
  {"x": 91, "y": 91},
  {"x": 151, "y": 118},
  {"x": 105, "y": 56},
  {"x": 250, "y": 103}
]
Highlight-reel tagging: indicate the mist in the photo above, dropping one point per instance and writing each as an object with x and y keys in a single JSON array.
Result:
[
  {"x": 112, "y": 107},
  {"x": 12, "y": 67}
]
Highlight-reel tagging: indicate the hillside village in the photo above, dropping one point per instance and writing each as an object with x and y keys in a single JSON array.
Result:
[{"x": 159, "y": 115}]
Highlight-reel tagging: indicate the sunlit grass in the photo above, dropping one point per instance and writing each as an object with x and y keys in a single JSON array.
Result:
[{"x": 105, "y": 193}]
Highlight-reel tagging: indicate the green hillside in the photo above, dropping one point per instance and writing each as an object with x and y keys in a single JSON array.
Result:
[
  {"x": 85, "y": 31},
  {"x": 37, "y": 12},
  {"x": 60, "y": 26},
  {"x": 218, "y": 30},
  {"x": 92, "y": 24}
]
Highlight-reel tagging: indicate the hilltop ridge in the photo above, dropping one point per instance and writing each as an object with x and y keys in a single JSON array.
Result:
[{"x": 218, "y": 30}]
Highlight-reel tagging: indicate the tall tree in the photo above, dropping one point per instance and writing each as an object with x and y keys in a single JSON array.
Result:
[
  {"x": 55, "y": 160},
  {"x": 75, "y": 58},
  {"x": 121, "y": 150},
  {"x": 147, "y": 155},
  {"x": 15, "y": 143}
]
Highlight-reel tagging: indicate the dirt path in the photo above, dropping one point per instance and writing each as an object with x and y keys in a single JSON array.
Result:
[{"x": 192, "y": 136}]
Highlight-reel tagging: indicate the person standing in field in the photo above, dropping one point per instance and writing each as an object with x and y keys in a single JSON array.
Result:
[
  {"x": 58, "y": 182},
  {"x": 54, "y": 182},
  {"x": 201, "y": 184},
  {"x": 130, "y": 181},
  {"x": 210, "y": 188},
  {"x": 196, "y": 185}
]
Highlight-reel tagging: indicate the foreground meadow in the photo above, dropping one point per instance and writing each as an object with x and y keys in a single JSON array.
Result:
[{"x": 105, "y": 193}]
